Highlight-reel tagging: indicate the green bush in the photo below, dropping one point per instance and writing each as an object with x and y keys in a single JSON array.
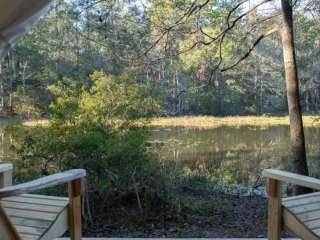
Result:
[{"x": 90, "y": 128}]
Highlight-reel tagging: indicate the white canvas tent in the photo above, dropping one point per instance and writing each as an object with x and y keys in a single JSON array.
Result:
[{"x": 16, "y": 18}]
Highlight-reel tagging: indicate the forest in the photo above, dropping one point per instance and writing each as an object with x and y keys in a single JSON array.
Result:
[
  {"x": 77, "y": 38},
  {"x": 173, "y": 107}
]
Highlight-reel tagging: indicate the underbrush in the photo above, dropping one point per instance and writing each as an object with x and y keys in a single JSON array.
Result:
[
  {"x": 127, "y": 191},
  {"x": 185, "y": 208},
  {"x": 142, "y": 198}
]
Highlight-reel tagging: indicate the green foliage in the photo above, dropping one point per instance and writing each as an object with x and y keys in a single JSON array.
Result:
[{"x": 90, "y": 128}]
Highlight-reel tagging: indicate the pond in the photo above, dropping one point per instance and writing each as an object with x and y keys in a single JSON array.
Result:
[{"x": 235, "y": 155}]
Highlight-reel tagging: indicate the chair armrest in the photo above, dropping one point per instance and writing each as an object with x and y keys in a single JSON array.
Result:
[
  {"x": 5, "y": 167},
  {"x": 45, "y": 182},
  {"x": 5, "y": 174},
  {"x": 292, "y": 178}
]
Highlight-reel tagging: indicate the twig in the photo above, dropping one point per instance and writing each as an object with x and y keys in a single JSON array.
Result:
[{"x": 136, "y": 191}]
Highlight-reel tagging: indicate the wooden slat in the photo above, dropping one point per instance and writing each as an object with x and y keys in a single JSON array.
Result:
[
  {"x": 288, "y": 199},
  {"x": 32, "y": 219},
  {"x": 301, "y": 201},
  {"x": 316, "y": 231},
  {"x": 29, "y": 237},
  {"x": 313, "y": 224},
  {"x": 30, "y": 206},
  {"x": 30, "y": 214},
  {"x": 37, "y": 196},
  {"x": 30, "y": 222},
  {"x": 23, "y": 199},
  {"x": 59, "y": 227},
  {"x": 30, "y": 230},
  {"x": 306, "y": 208},
  {"x": 294, "y": 225},
  {"x": 308, "y": 216}
]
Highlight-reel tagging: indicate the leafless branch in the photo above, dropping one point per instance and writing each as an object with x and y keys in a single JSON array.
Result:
[{"x": 247, "y": 54}]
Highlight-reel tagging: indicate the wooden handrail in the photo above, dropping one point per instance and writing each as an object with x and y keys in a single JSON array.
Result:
[
  {"x": 292, "y": 178},
  {"x": 45, "y": 182}
]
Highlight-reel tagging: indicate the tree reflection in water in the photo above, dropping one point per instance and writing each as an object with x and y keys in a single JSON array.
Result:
[{"x": 232, "y": 154}]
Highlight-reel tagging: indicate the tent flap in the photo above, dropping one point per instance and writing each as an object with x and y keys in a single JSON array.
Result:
[{"x": 16, "y": 19}]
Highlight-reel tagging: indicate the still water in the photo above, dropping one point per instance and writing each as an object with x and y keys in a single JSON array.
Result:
[{"x": 235, "y": 155}]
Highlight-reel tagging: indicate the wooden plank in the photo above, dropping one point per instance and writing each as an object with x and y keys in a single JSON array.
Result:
[
  {"x": 32, "y": 206},
  {"x": 30, "y": 230},
  {"x": 308, "y": 216},
  {"x": 306, "y": 208},
  {"x": 288, "y": 199},
  {"x": 29, "y": 237},
  {"x": 294, "y": 225},
  {"x": 292, "y": 178},
  {"x": 48, "y": 202},
  {"x": 46, "y": 197},
  {"x": 316, "y": 231},
  {"x": 30, "y": 222},
  {"x": 59, "y": 227},
  {"x": 41, "y": 183},
  {"x": 30, "y": 214},
  {"x": 313, "y": 224},
  {"x": 274, "y": 209},
  {"x": 301, "y": 201}
]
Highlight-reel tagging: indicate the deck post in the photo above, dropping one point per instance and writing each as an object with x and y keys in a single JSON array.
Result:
[
  {"x": 274, "y": 209},
  {"x": 5, "y": 175},
  {"x": 75, "y": 189}
]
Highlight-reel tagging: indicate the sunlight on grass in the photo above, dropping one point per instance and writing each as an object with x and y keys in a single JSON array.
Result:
[
  {"x": 208, "y": 121},
  {"x": 232, "y": 121},
  {"x": 36, "y": 123}
]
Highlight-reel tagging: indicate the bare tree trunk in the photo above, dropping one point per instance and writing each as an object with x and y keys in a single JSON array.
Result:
[
  {"x": 298, "y": 150},
  {"x": 1, "y": 89}
]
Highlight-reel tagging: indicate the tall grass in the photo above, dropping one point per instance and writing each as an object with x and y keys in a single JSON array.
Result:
[{"x": 234, "y": 121}]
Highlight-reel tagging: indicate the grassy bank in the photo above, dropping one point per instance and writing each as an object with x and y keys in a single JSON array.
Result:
[
  {"x": 214, "y": 122},
  {"x": 209, "y": 121}
]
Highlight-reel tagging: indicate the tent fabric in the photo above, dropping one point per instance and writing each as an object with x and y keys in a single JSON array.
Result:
[{"x": 16, "y": 19}]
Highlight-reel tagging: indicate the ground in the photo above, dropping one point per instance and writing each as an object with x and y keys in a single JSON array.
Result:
[{"x": 231, "y": 216}]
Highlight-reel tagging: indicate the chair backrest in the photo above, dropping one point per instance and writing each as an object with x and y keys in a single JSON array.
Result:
[{"x": 60, "y": 214}]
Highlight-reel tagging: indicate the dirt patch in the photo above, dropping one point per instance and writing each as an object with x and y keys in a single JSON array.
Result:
[{"x": 193, "y": 215}]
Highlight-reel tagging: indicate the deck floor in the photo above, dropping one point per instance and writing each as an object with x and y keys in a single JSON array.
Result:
[{"x": 177, "y": 238}]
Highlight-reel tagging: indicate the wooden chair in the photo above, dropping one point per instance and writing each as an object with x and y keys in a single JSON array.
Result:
[
  {"x": 26, "y": 216},
  {"x": 299, "y": 215}
]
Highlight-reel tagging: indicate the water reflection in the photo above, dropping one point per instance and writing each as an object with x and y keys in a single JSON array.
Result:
[{"x": 233, "y": 154}]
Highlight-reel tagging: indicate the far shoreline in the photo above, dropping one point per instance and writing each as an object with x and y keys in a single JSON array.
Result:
[{"x": 207, "y": 122}]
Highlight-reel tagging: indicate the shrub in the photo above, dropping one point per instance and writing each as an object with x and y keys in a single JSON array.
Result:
[{"x": 91, "y": 128}]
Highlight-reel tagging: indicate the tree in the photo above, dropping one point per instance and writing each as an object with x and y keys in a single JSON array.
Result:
[
  {"x": 219, "y": 39},
  {"x": 298, "y": 149}
]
